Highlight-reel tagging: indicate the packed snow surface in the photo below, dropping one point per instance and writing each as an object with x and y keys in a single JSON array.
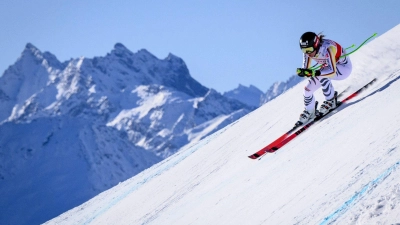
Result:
[{"x": 343, "y": 170}]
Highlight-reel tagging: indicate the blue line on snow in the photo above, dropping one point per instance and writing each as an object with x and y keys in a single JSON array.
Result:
[
  {"x": 332, "y": 217},
  {"x": 167, "y": 166}
]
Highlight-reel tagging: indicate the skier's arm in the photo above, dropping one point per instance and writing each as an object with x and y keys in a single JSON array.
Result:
[{"x": 306, "y": 61}]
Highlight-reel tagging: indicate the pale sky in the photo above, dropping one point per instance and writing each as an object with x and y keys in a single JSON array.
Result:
[{"x": 224, "y": 43}]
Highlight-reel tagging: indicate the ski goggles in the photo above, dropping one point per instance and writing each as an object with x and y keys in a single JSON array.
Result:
[{"x": 308, "y": 50}]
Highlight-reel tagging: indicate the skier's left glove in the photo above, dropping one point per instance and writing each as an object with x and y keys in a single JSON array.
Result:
[{"x": 307, "y": 72}]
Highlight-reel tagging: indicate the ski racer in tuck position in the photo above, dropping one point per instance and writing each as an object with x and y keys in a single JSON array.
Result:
[{"x": 327, "y": 54}]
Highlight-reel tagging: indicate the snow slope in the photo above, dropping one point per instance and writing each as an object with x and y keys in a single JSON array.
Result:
[{"x": 343, "y": 170}]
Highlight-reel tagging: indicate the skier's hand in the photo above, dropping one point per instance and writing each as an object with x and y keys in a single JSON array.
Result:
[{"x": 307, "y": 72}]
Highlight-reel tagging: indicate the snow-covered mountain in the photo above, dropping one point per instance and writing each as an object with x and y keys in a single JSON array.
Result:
[
  {"x": 343, "y": 170},
  {"x": 253, "y": 96},
  {"x": 280, "y": 87},
  {"x": 248, "y": 95},
  {"x": 69, "y": 130}
]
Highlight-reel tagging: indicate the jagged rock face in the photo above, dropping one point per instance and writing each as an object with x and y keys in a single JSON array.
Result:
[{"x": 123, "y": 89}]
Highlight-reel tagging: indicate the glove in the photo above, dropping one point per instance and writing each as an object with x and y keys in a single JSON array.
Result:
[{"x": 307, "y": 72}]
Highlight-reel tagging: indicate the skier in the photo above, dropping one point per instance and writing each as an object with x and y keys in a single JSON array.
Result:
[{"x": 327, "y": 54}]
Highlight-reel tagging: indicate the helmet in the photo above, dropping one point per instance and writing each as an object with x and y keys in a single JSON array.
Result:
[{"x": 309, "y": 42}]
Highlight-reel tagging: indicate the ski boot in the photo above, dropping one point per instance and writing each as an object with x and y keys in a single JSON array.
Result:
[
  {"x": 328, "y": 105},
  {"x": 307, "y": 116}
]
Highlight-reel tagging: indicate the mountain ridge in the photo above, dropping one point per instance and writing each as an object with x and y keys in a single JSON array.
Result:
[{"x": 112, "y": 116}]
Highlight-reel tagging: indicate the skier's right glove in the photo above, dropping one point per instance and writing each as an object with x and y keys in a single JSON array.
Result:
[{"x": 307, "y": 72}]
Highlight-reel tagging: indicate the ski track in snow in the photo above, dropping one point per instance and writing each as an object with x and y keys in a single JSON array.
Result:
[{"x": 358, "y": 195}]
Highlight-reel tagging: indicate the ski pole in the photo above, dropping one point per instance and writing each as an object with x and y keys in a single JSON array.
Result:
[{"x": 316, "y": 67}]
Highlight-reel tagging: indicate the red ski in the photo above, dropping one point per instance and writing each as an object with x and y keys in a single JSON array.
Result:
[{"x": 288, "y": 136}]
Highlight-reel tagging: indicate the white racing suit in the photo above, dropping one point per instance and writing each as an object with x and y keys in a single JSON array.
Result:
[{"x": 333, "y": 68}]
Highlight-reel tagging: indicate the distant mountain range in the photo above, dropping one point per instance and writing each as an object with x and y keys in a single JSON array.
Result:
[
  {"x": 84, "y": 125},
  {"x": 254, "y": 97}
]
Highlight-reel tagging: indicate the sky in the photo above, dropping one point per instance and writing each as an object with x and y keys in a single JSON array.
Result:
[{"x": 224, "y": 43}]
